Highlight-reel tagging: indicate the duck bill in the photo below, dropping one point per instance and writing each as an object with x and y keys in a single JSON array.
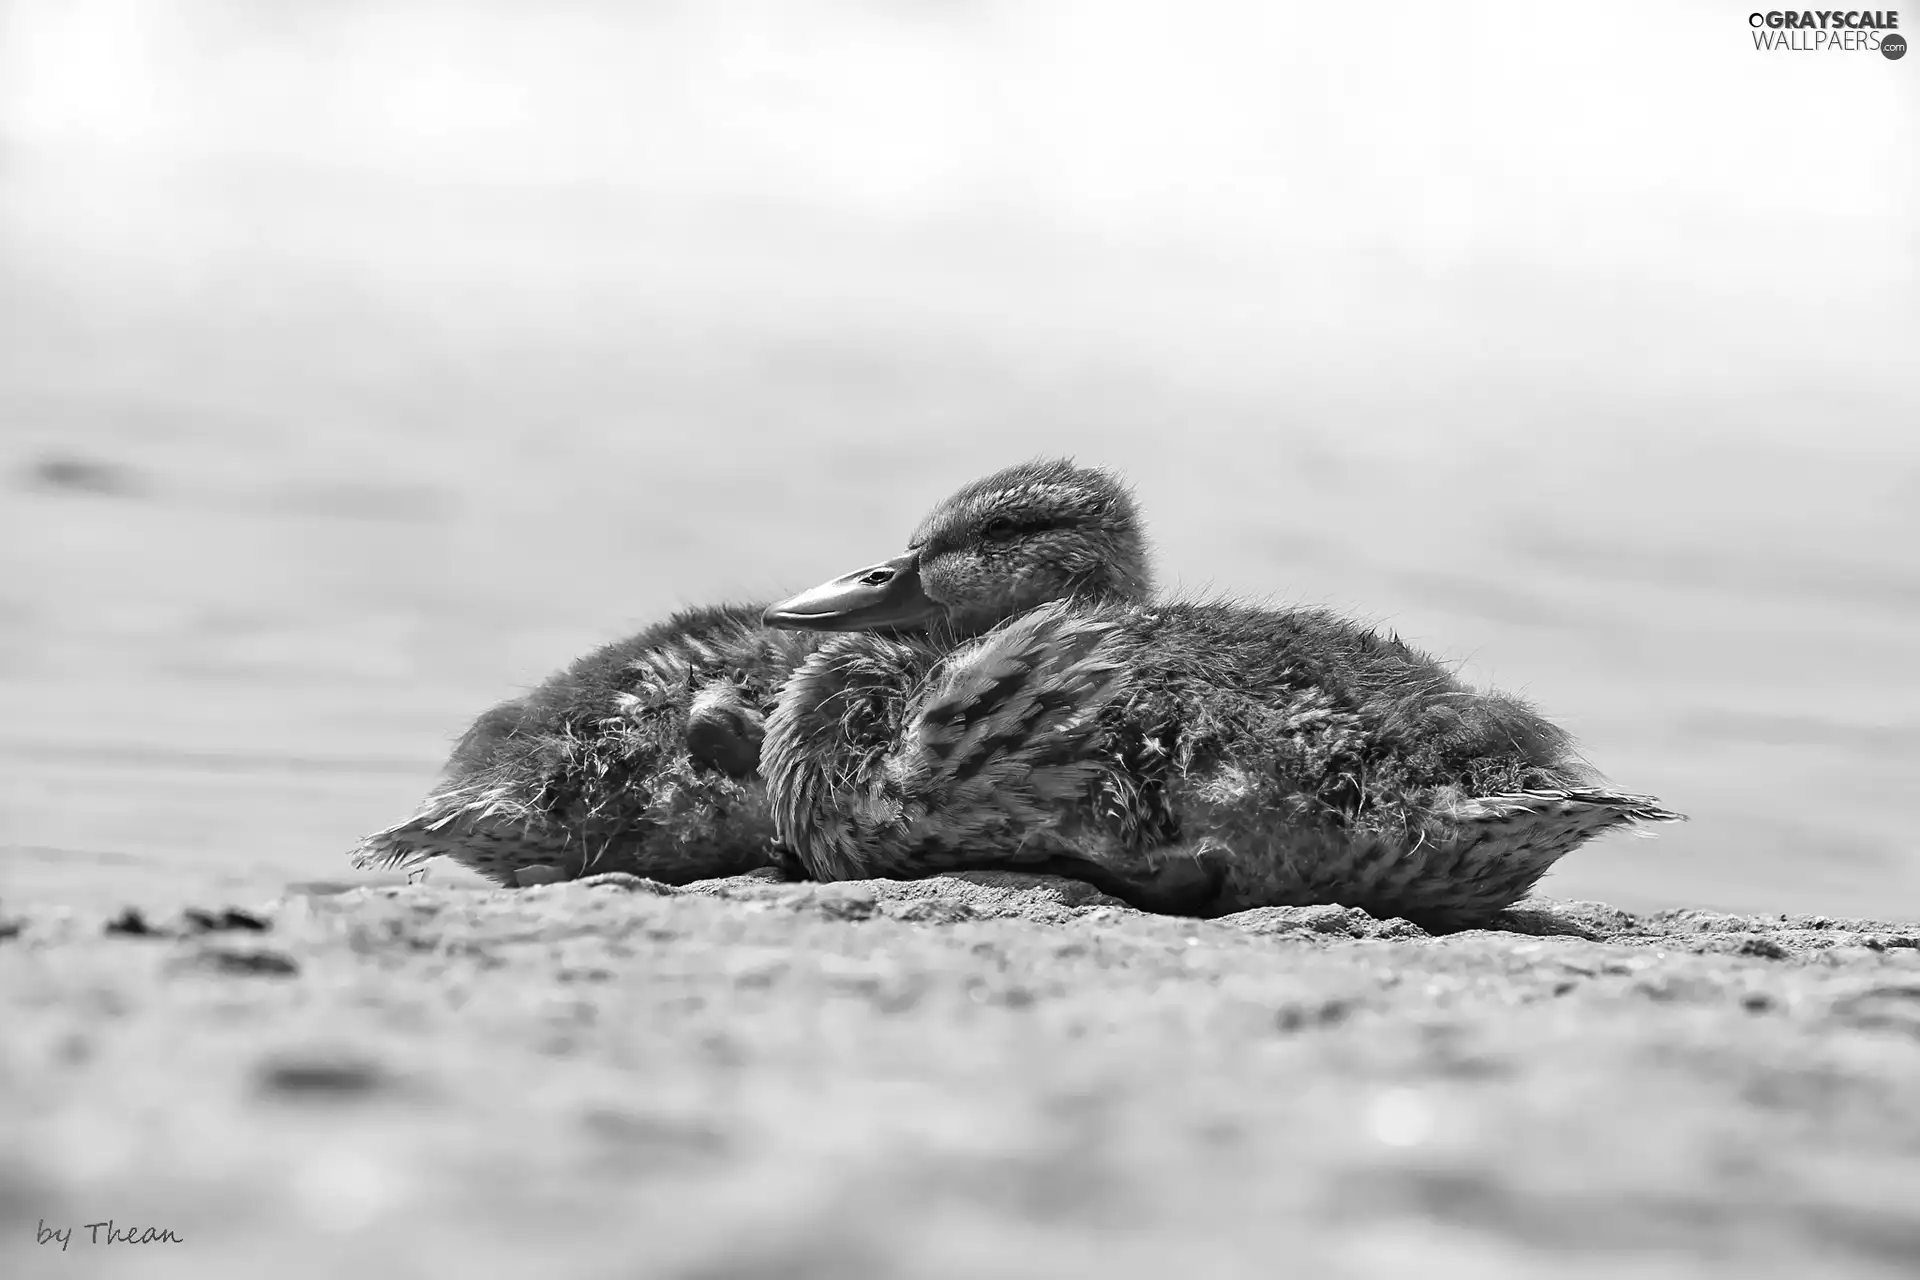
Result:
[{"x": 882, "y": 597}]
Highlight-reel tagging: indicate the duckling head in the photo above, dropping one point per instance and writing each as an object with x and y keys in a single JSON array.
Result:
[{"x": 1044, "y": 530}]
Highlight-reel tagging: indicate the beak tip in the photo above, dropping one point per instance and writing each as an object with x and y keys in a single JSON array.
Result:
[{"x": 784, "y": 617}]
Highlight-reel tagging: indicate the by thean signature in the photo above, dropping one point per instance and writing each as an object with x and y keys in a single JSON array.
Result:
[{"x": 104, "y": 1232}]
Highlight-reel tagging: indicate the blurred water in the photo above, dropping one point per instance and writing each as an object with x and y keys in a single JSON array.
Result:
[{"x": 359, "y": 364}]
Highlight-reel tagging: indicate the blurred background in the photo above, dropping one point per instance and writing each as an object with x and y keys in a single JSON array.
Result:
[{"x": 361, "y": 363}]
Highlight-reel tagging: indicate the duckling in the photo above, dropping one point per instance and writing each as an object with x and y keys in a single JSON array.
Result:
[
  {"x": 641, "y": 757},
  {"x": 1034, "y": 708}
]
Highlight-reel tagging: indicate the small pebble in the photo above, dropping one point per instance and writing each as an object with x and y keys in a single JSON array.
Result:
[
  {"x": 222, "y": 921},
  {"x": 249, "y": 963},
  {"x": 322, "y": 1077},
  {"x": 82, "y": 475},
  {"x": 130, "y": 923}
]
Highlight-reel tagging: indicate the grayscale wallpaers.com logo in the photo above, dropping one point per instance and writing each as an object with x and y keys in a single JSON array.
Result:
[{"x": 1823, "y": 30}]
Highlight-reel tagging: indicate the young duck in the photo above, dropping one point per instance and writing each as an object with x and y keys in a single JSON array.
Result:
[
  {"x": 641, "y": 757},
  {"x": 1033, "y": 710}
]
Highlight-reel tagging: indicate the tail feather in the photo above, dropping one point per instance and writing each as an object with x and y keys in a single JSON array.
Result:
[
  {"x": 438, "y": 828},
  {"x": 1485, "y": 854},
  {"x": 408, "y": 845},
  {"x": 1610, "y": 808},
  {"x": 393, "y": 849}
]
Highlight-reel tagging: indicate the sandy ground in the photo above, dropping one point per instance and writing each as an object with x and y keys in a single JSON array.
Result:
[{"x": 985, "y": 1075}]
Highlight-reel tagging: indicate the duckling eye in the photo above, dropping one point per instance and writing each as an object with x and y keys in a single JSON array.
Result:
[{"x": 1000, "y": 528}]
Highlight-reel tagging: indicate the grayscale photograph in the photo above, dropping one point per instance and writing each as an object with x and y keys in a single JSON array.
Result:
[{"x": 953, "y": 639}]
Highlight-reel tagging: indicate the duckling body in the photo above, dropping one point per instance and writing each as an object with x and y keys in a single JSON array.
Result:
[
  {"x": 1033, "y": 707},
  {"x": 1193, "y": 758},
  {"x": 641, "y": 757}
]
